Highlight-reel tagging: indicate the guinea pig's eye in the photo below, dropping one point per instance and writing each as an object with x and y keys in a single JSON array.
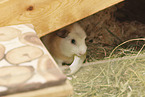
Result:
[{"x": 73, "y": 41}]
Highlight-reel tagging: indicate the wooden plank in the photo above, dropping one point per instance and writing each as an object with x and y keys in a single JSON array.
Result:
[
  {"x": 32, "y": 68},
  {"x": 49, "y": 15},
  {"x": 57, "y": 91}
]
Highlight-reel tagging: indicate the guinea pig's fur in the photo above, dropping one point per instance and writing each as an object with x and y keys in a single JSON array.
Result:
[{"x": 65, "y": 43}]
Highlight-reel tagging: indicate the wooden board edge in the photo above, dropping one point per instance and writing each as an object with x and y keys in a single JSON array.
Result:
[
  {"x": 63, "y": 90},
  {"x": 40, "y": 34}
]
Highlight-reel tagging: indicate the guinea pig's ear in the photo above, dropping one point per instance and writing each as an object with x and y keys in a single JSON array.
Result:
[{"x": 62, "y": 33}]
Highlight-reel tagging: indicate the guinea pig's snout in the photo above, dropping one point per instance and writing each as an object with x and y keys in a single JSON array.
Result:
[{"x": 82, "y": 51}]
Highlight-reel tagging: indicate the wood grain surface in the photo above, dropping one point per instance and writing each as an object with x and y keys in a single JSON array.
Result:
[
  {"x": 63, "y": 90},
  {"x": 49, "y": 15},
  {"x": 25, "y": 64}
]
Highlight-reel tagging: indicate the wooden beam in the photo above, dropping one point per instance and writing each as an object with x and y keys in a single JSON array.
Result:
[{"x": 49, "y": 15}]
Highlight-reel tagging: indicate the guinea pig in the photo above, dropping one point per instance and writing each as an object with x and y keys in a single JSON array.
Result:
[{"x": 67, "y": 45}]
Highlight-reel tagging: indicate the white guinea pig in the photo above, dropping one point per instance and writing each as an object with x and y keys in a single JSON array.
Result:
[{"x": 67, "y": 45}]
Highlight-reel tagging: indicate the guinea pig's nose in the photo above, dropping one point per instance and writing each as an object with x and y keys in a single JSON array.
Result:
[{"x": 82, "y": 52}]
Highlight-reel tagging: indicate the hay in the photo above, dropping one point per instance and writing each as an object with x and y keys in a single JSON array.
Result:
[
  {"x": 118, "y": 78},
  {"x": 114, "y": 77},
  {"x": 122, "y": 74}
]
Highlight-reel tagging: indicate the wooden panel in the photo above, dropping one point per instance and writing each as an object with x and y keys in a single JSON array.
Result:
[
  {"x": 57, "y": 91},
  {"x": 25, "y": 64},
  {"x": 49, "y": 15}
]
